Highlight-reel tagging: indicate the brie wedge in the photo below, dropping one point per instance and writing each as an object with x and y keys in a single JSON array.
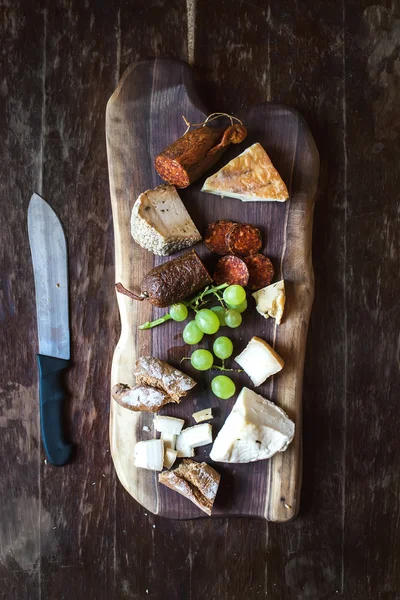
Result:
[
  {"x": 270, "y": 301},
  {"x": 149, "y": 455},
  {"x": 160, "y": 222},
  {"x": 168, "y": 424},
  {"x": 203, "y": 415},
  {"x": 259, "y": 360},
  {"x": 169, "y": 457},
  {"x": 255, "y": 429},
  {"x": 251, "y": 176}
]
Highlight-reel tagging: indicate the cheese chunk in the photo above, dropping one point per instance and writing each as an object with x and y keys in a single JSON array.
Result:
[
  {"x": 202, "y": 415},
  {"x": 259, "y": 360},
  {"x": 169, "y": 457},
  {"x": 168, "y": 424},
  {"x": 198, "y": 435},
  {"x": 149, "y": 455},
  {"x": 183, "y": 448},
  {"x": 160, "y": 222},
  {"x": 169, "y": 440},
  {"x": 256, "y": 429},
  {"x": 251, "y": 176},
  {"x": 270, "y": 301}
]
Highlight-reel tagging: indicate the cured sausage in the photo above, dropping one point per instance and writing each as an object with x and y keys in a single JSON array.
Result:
[
  {"x": 244, "y": 240},
  {"x": 261, "y": 271},
  {"x": 216, "y": 236},
  {"x": 172, "y": 281},
  {"x": 231, "y": 270},
  {"x": 186, "y": 159}
]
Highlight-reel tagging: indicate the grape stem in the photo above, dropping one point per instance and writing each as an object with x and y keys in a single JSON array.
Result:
[
  {"x": 195, "y": 303},
  {"x": 225, "y": 369}
]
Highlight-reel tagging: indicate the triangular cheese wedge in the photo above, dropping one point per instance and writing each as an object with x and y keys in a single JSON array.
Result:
[{"x": 251, "y": 177}]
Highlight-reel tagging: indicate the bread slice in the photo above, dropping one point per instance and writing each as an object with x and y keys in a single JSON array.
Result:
[
  {"x": 159, "y": 374},
  {"x": 196, "y": 481},
  {"x": 251, "y": 177},
  {"x": 160, "y": 222},
  {"x": 140, "y": 398}
]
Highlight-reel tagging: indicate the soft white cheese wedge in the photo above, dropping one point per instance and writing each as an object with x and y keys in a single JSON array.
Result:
[
  {"x": 169, "y": 440},
  {"x": 259, "y": 360},
  {"x": 160, "y": 222},
  {"x": 168, "y": 424},
  {"x": 255, "y": 429},
  {"x": 270, "y": 301},
  {"x": 149, "y": 454},
  {"x": 169, "y": 457},
  {"x": 182, "y": 447},
  {"x": 203, "y": 415},
  {"x": 198, "y": 435}
]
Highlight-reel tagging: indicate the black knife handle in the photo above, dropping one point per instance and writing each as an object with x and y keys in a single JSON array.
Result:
[{"x": 52, "y": 397}]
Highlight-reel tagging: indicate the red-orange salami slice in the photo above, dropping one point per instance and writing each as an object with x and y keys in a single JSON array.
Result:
[
  {"x": 216, "y": 236},
  {"x": 232, "y": 270},
  {"x": 244, "y": 240},
  {"x": 261, "y": 271}
]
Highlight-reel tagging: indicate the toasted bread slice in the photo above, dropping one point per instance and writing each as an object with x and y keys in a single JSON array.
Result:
[
  {"x": 196, "y": 481},
  {"x": 251, "y": 177}
]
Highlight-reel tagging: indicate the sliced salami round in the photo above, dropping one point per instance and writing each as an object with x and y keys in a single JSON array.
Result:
[
  {"x": 231, "y": 270},
  {"x": 261, "y": 271},
  {"x": 216, "y": 236},
  {"x": 244, "y": 240}
]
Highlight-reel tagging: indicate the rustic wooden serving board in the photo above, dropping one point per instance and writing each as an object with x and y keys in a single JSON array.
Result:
[{"x": 143, "y": 116}]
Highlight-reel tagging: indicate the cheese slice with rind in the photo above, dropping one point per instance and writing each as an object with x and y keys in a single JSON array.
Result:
[{"x": 251, "y": 177}]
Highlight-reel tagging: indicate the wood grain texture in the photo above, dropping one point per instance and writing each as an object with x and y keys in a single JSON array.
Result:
[
  {"x": 143, "y": 115},
  {"x": 345, "y": 541}
]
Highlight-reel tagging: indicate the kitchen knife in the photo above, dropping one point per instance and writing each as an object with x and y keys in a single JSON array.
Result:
[{"x": 49, "y": 257}]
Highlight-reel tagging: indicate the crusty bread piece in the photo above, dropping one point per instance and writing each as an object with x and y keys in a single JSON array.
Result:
[
  {"x": 196, "y": 481},
  {"x": 159, "y": 374},
  {"x": 140, "y": 398}
]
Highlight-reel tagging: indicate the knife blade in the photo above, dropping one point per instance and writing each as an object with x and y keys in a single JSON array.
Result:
[{"x": 50, "y": 269}]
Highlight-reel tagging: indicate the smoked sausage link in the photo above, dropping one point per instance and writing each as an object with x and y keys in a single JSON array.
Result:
[
  {"x": 186, "y": 159},
  {"x": 175, "y": 280}
]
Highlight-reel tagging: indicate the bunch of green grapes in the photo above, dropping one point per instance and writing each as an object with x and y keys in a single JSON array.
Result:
[{"x": 208, "y": 321}]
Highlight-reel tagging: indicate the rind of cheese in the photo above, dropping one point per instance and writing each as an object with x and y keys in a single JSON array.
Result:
[
  {"x": 255, "y": 429},
  {"x": 197, "y": 435},
  {"x": 165, "y": 424},
  {"x": 259, "y": 360},
  {"x": 270, "y": 301},
  {"x": 251, "y": 176},
  {"x": 160, "y": 222}
]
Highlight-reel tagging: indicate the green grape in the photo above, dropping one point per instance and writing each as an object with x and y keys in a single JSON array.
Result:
[
  {"x": 223, "y": 387},
  {"x": 233, "y": 318},
  {"x": 178, "y": 312},
  {"x": 220, "y": 312},
  {"x": 234, "y": 295},
  {"x": 192, "y": 334},
  {"x": 223, "y": 347},
  {"x": 240, "y": 308},
  {"x": 202, "y": 360},
  {"x": 207, "y": 321}
]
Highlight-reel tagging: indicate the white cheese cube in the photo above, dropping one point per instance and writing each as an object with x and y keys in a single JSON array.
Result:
[
  {"x": 169, "y": 440},
  {"x": 169, "y": 457},
  {"x": 168, "y": 424},
  {"x": 259, "y": 360},
  {"x": 203, "y": 415},
  {"x": 182, "y": 447},
  {"x": 270, "y": 301},
  {"x": 198, "y": 435},
  {"x": 149, "y": 454},
  {"x": 256, "y": 429}
]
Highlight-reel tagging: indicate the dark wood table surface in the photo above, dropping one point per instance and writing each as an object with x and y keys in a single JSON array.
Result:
[{"x": 73, "y": 532}]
